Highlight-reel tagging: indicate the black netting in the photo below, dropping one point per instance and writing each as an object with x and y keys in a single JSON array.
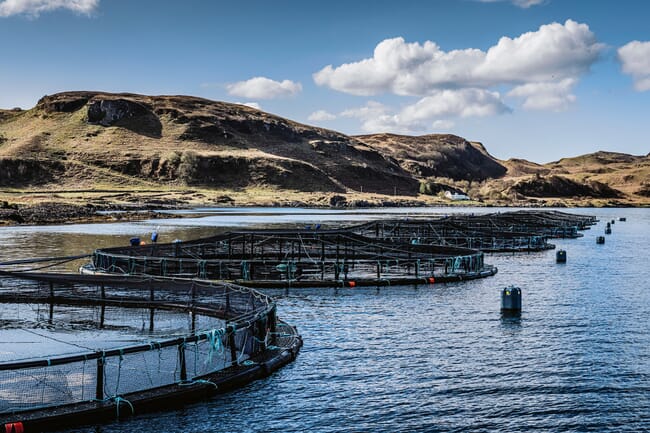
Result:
[{"x": 180, "y": 329}]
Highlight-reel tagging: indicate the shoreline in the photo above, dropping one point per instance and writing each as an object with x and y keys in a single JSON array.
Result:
[{"x": 46, "y": 208}]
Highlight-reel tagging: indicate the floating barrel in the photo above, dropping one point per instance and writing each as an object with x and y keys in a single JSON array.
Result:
[
  {"x": 609, "y": 225},
  {"x": 560, "y": 256},
  {"x": 608, "y": 231},
  {"x": 613, "y": 221},
  {"x": 622, "y": 219},
  {"x": 600, "y": 240},
  {"x": 134, "y": 242},
  {"x": 511, "y": 299}
]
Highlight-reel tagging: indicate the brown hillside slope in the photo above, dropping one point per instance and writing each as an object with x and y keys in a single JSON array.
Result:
[
  {"x": 447, "y": 162},
  {"x": 439, "y": 155},
  {"x": 91, "y": 139},
  {"x": 150, "y": 150}
]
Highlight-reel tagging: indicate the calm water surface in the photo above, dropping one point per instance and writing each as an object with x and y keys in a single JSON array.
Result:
[{"x": 433, "y": 358}]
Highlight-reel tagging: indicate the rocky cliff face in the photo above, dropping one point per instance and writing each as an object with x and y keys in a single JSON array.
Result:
[
  {"x": 439, "y": 155},
  {"x": 557, "y": 186}
]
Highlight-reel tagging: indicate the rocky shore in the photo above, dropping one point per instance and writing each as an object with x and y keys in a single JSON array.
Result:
[{"x": 61, "y": 213}]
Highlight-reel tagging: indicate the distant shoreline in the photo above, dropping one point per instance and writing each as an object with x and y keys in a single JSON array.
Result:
[{"x": 46, "y": 211}]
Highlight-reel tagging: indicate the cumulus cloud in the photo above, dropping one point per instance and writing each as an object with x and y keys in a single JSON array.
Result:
[
  {"x": 456, "y": 103},
  {"x": 555, "y": 96},
  {"x": 552, "y": 54},
  {"x": 264, "y": 88},
  {"x": 430, "y": 111},
  {"x": 521, "y": 3},
  {"x": 635, "y": 61},
  {"x": 321, "y": 116},
  {"x": 442, "y": 124},
  {"x": 34, "y": 8}
]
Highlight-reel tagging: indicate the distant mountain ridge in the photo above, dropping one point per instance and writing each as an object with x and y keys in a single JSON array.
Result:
[{"x": 99, "y": 140}]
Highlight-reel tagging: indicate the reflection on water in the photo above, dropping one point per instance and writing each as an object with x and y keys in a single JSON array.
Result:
[{"x": 436, "y": 358}]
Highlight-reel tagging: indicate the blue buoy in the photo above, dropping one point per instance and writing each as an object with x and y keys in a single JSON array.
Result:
[
  {"x": 511, "y": 300},
  {"x": 560, "y": 256},
  {"x": 134, "y": 242},
  {"x": 154, "y": 237}
]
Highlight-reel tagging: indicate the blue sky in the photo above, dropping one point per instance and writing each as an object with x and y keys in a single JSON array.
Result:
[{"x": 534, "y": 79}]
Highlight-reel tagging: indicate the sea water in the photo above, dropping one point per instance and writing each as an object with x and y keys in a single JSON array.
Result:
[{"x": 436, "y": 358}]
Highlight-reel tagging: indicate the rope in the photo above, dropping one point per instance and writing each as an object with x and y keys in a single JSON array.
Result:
[{"x": 198, "y": 382}]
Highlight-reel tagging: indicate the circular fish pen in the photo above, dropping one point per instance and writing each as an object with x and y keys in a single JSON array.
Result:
[
  {"x": 448, "y": 232},
  {"x": 151, "y": 343},
  {"x": 296, "y": 258},
  {"x": 552, "y": 224},
  {"x": 519, "y": 231}
]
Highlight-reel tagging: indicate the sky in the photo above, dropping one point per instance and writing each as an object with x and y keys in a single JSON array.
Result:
[{"x": 533, "y": 79}]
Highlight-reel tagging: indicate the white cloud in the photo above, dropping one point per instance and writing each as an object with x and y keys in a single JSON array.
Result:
[
  {"x": 264, "y": 88},
  {"x": 429, "y": 111},
  {"x": 521, "y": 3},
  {"x": 555, "y": 96},
  {"x": 34, "y": 8},
  {"x": 371, "y": 109},
  {"x": 321, "y": 116},
  {"x": 552, "y": 54},
  {"x": 457, "y": 103},
  {"x": 442, "y": 124},
  {"x": 635, "y": 61}
]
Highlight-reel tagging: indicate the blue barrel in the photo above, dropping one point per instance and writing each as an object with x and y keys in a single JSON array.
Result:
[
  {"x": 600, "y": 240},
  {"x": 154, "y": 237},
  {"x": 560, "y": 256},
  {"x": 511, "y": 299},
  {"x": 134, "y": 242}
]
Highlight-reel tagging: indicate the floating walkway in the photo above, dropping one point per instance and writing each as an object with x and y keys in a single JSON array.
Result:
[
  {"x": 86, "y": 387},
  {"x": 296, "y": 258}
]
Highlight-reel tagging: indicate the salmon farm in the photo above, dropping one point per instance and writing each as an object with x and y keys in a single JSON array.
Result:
[{"x": 148, "y": 327}]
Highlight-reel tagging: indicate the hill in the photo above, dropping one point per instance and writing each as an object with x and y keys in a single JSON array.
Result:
[
  {"x": 443, "y": 162},
  {"x": 102, "y": 149},
  {"x": 96, "y": 140}
]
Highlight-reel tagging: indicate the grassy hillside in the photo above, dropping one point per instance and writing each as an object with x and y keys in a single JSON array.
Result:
[{"x": 100, "y": 148}]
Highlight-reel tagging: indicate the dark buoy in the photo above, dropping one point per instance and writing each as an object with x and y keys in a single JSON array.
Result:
[
  {"x": 511, "y": 300},
  {"x": 134, "y": 242},
  {"x": 609, "y": 225},
  {"x": 600, "y": 240},
  {"x": 608, "y": 231},
  {"x": 622, "y": 219},
  {"x": 560, "y": 256},
  {"x": 613, "y": 221}
]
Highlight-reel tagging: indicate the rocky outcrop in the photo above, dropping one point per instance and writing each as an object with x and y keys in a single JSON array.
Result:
[
  {"x": 438, "y": 155},
  {"x": 126, "y": 113},
  {"x": 67, "y": 102},
  {"x": 26, "y": 171},
  {"x": 558, "y": 186}
]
